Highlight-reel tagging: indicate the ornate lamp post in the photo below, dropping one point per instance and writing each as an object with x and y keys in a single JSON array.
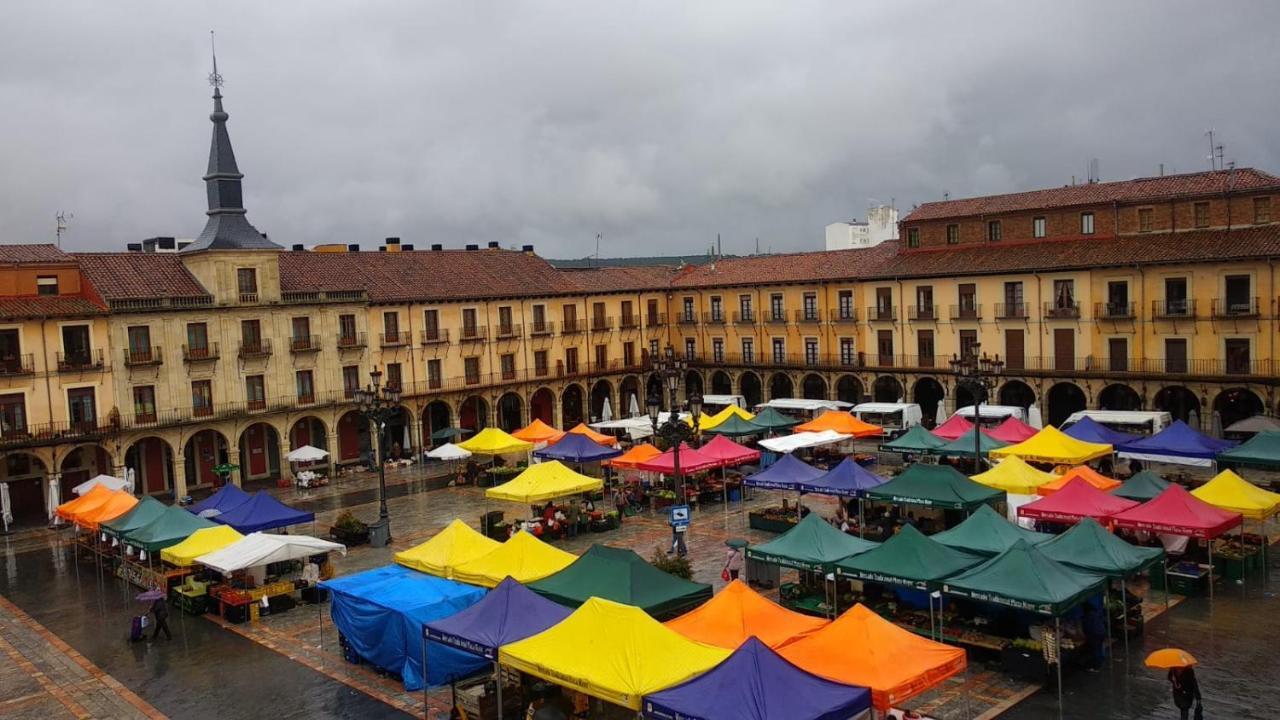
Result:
[
  {"x": 673, "y": 432},
  {"x": 978, "y": 374},
  {"x": 378, "y": 404}
]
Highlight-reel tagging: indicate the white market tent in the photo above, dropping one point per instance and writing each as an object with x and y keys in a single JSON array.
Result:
[
  {"x": 449, "y": 451},
  {"x": 993, "y": 412},
  {"x": 724, "y": 400},
  {"x": 805, "y": 405},
  {"x": 1146, "y": 422},
  {"x": 259, "y": 548},
  {"x": 897, "y": 415},
  {"x": 107, "y": 481},
  {"x": 306, "y": 453},
  {"x": 636, "y": 427},
  {"x": 796, "y": 441}
]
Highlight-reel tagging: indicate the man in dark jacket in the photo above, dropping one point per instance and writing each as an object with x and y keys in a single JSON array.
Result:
[
  {"x": 160, "y": 611},
  {"x": 1186, "y": 691}
]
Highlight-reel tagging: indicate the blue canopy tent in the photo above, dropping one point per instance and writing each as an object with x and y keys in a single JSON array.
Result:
[
  {"x": 755, "y": 683},
  {"x": 848, "y": 479},
  {"x": 226, "y": 498},
  {"x": 1178, "y": 444},
  {"x": 381, "y": 613},
  {"x": 262, "y": 511},
  {"x": 577, "y": 448},
  {"x": 1090, "y": 430},
  {"x": 786, "y": 474}
]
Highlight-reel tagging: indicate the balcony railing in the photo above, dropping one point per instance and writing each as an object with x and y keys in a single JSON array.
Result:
[
  {"x": 80, "y": 361},
  {"x": 307, "y": 398},
  {"x": 1115, "y": 310},
  {"x": 248, "y": 298},
  {"x": 143, "y": 356},
  {"x": 744, "y": 317},
  {"x": 688, "y": 318},
  {"x": 922, "y": 313},
  {"x": 629, "y": 322},
  {"x": 808, "y": 315},
  {"x": 323, "y": 296},
  {"x": 200, "y": 353},
  {"x": 966, "y": 312},
  {"x": 1235, "y": 307},
  {"x": 473, "y": 333},
  {"x": 304, "y": 344},
  {"x": 255, "y": 348},
  {"x": 351, "y": 341},
  {"x": 572, "y": 326},
  {"x": 601, "y": 324},
  {"x": 435, "y": 335},
  {"x": 713, "y": 317},
  {"x": 17, "y": 365},
  {"x": 655, "y": 320},
  {"x": 399, "y": 338},
  {"x": 877, "y": 313},
  {"x": 1173, "y": 309},
  {"x": 1011, "y": 311},
  {"x": 508, "y": 331},
  {"x": 1061, "y": 310},
  {"x": 29, "y": 434},
  {"x": 776, "y": 317},
  {"x": 844, "y": 315}
]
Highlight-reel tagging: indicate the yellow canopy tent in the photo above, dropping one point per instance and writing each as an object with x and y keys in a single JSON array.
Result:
[
  {"x": 1231, "y": 492},
  {"x": 492, "y": 441},
  {"x": 1014, "y": 475},
  {"x": 613, "y": 652},
  {"x": 455, "y": 544},
  {"x": 706, "y": 422},
  {"x": 200, "y": 542},
  {"x": 1051, "y": 445},
  {"x": 523, "y": 557},
  {"x": 542, "y": 482},
  {"x": 538, "y": 431}
]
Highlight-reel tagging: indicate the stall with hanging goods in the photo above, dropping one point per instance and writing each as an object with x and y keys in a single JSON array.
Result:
[{"x": 1177, "y": 512}]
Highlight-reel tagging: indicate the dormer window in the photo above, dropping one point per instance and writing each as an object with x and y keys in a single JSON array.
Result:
[
  {"x": 47, "y": 285},
  {"x": 247, "y": 284}
]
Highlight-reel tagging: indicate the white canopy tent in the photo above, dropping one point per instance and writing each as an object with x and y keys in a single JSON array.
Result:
[
  {"x": 791, "y": 443},
  {"x": 449, "y": 451},
  {"x": 805, "y": 405},
  {"x": 994, "y": 412},
  {"x": 306, "y": 453},
  {"x": 724, "y": 400},
  {"x": 637, "y": 427},
  {"x": 259, "y": 548},
  {"x": 107, "y": 481}
]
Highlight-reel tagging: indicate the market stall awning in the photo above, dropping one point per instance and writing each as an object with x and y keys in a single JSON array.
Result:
[
  {"x": 381, "y": 612},
  {"x": 963, "y": 445},
  {"x": 1090, "y": 547},
  {"x": 848, "y": 479},
  {"x": 598, "y": 437},
  {"x": 116, "y": 504},
  {"x": 1014, "y": 475},
  {"x": 449, "y": 432},
  {"x": 448, "y": 452},
  {"x": 1141, "y": 487},
  {"x": 1261, "y": 450},
  {"x": 954, "y": 427},
  {"x": 862, "y": 648},
  {"x": 785, "y": 474},
  {"x": 1177, "y": 512},
  {"x": 1012, "y": 430},
  {"x": 168, "y": 528},
  {"x": 1092, "y": 431},
  {"x": 542, "y": 482},
  {"x": 1085, "y": 473},
  {"x": 95, "y": 497},
  {"x": 457, "y": 543},
  {"x": 228, "y": 497},
  {"x": 987, "y": 532},
  {"x": 800, "y": 440},
  {"x": 736, "y": 427},
  {"x": 738, "y": 613},
  {"x": 262, "y": 511},
  {"x": 1022, "y": 577},
  {"x": 111, "y": 483},
  {"x": 306, "y": 453},
  {"x": 1050, "y": 445},
  {"x": 613, "y": 652},
  {"x": 620, "y": 575},
  {"x": 200, "y": 542},
  {"x": 1075, "y": 501},
  {"x": 492, "y": 441},
  {"x": 522, "y": 557},
  {"x": 915, "y": 440},
  {"x": 1233, "y": 493},
  {"x": 940, "y": 486},
  {"x": 771, "y": 419},
  {"x": 811, "y": 545},
  {"x": 756, "y": 683},
  {"x": 841, "y": 422},
  {"x": 537, "y": 431},
  {"x": 728, "y": 452},
  {"x": 691, "y": 461},
  {"x": 632, "y": 458},
  {"x": 576, "y": 448},
  {"x": 909, "y": 559},
  {"x": 707, "y": 422},
  {"x": 147, "y": 510},
  {"x": 1178, "y": 444},
  {"x": 260, "y": 548},
  {"x": 511, "y": 612}
]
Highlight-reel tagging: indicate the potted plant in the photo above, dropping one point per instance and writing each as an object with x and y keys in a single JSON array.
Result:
[
  {"x": 672, "y": 564},
  {"x": 349, "y": 530}
]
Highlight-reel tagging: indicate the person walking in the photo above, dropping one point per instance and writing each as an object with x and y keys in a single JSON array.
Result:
[
  {"x": 1186, "y": 691},
  {"x": 733, "y": 562},
  {"x": 160, "y": 611},
  {"x": 1095, "y": 634},
  {"x": 572, "y": 517}
]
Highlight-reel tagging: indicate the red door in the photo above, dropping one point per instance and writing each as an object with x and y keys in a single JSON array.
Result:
[
  {"x": 153, "y": 466},
  {"x": 256, "y": 444},
  {"x": 348, "y": 438}
]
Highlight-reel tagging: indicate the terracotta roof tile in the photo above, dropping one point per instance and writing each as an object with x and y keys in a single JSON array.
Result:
[
  {"x": 134, "y": 275},
  {"x": 1139, "y": 189},
  {"x": 791, "y": 268},
  {"x": 41, "y": 306},
  {"x": 35, "y": 254},
  {"x": 619, "y": 279}
]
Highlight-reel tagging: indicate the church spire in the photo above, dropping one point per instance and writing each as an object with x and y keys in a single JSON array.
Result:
[{"x": 227, "y": 227}]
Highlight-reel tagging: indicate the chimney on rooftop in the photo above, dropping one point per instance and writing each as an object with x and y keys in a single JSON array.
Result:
[
  {"x": 436, "y": 247},
  {"x": 353, "y": 247},
  {"x": 406, "y": 248},
  {"x": 473, "y": 247},
  {"x": 133, "y": 247},
  {"x": 392, "y": 245},
  {"x": 527, "y": 249},
  {"x": 493, "y": 245},
  {"x": 298, "y": 247}
]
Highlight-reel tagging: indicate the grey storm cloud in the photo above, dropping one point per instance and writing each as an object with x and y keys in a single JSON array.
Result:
[{"x": 656, "y": 124}]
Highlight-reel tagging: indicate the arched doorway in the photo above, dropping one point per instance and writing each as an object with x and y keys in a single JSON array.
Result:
[
  {"x": 721, "y": 383},
  {"x": 81, "y": 464},
  {"x": 1016, "y": 393},
  {"x": 692, "y": 383},
  {"x": 780, "y": 387},
  {"x": 510, "y": 411},
  {"x": 473, "y": 414},
  {"x": 750, "y": 389},
  {"x": 205, "y": 450},
  {"x": 437, "y": 415},
  {"x": 1236, "y": 404},
  {"x": 542, "y": 406},
  {"x": 27, "y": 479},
  {"x": 1064, "y": 399},
  {"x": 630, "y": 401},
  {"x": 1180, "y": 403},
  {"x": 151, "y": 460},
  {"x": 928, "y": 393},
  {"x": 653, "y": 388},
  {"x": 259, "y": 452},
  {"x": 311, "y": 431},
  {"x": 813, "y": 387},
  {"x": 964, "y": 396},
  {"x": 601, "y": 392},
  {"x": 1119, "y": 397},
  {"x": 849, "y": 389},
  {"x": 886, "y": 388},
  {"x": 571, "y": 405}
]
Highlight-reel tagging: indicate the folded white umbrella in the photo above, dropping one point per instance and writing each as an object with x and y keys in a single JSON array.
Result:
[
  {"x": 306, "y": 453},
  {"x": 107, "y": 481},
  {"x": 449, "y": 451}
]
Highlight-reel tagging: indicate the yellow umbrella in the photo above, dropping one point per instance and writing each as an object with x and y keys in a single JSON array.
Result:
[{"x": 1170, "y": 658}]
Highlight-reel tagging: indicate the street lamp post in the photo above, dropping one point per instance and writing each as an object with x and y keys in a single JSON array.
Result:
[
  {"x": 378, "y": 404},
  {"x": 978, "y": 373},
  {"x": 674, "y": 432}
]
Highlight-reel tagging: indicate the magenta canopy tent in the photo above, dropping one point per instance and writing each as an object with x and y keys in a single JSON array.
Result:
[
  {"x": 728, "y": 452},
  {"x": 953, "y": 428},
  {"x": 690, "y": 461}
]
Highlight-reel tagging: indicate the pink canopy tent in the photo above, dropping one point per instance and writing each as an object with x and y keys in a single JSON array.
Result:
[
  {"x": 727, "y": 452},
  {"x": 691, "y": 460},
  {"x": 1012, "y": 430},
  {"x": 953, "y": 428},
  {"x": 1177, "y": 512}
]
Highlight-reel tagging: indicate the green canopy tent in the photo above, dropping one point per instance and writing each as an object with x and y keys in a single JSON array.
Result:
[
  {"x": 963, "y": 445},
  {"x": 1142, "y": 487},
  {"x": 811, "y": 545},
  {"x": 622, "y": 576},
  {"x": 168, "y": 528},
  {"x": 141, "y": 515},
  {"x": 736, "y": 426},
  {"x": 770, "y": 419},
  {"x": 448, "y": 433},
  {"x": 915, "y": 440},
  {"x": 987, "y": 532},
  {"x": 938, "y": 486},
  {"x": 1261, "y": 450}
]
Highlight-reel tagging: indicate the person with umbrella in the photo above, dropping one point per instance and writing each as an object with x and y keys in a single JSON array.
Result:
[
  {"x": 159, "y": 611},
  {"x": 1182, "y": 679}
]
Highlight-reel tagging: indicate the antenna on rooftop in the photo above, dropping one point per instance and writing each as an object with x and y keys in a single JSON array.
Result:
[
  {"x": 61, "y": 227},
  {"x": 214, "y": 78},
  {"x": 1093, "y": 171}
]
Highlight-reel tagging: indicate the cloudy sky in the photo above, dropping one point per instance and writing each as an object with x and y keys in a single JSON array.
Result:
[{"x": 657, "y": 124}]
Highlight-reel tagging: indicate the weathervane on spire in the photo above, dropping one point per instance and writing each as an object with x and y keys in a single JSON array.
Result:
[{"x": 214, "y": 78}]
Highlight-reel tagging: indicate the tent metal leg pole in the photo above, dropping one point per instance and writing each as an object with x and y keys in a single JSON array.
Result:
[
  {"x": 426, "y": 704},
  {"x": 1106, "y": 609},
  {"x": 497, "y": 672},
  {"x": 1057, "y": 623},
  {"x": 1166, "y": 585},
  {"x": 1124, "y": 601},
  {"x": 1210, "y": 571},
  {"x": 862, "y": 523}
]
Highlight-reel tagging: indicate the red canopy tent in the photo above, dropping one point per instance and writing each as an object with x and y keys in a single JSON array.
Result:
[
  {"x": 1074, "y": 502},
  {"x": 728, "y": 452},
  {"x": 1177, "y": 512},
  {"x": 690, "y": 461},
  {"x": 952, "y": 429},
  {"x": 1012, "y": 430}
]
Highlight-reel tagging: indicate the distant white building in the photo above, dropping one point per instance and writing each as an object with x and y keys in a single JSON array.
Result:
[{"x": 881, "y": 224}]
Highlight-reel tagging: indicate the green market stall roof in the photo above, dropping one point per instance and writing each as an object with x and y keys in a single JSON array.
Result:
[
  {"x": 987, "y": 532},
  {"x": 622, "y": 576},
  {"x": 1261, "y": 450},
  {"x": 142, "y": 514},
  {"x": 770, "y": 419},
  {"x": 737, "y": 426},
  {"x": 940, "y": 486},
  {"x": 963, "y": 445},
  {"x": 1089, "y": 547},
  {"x": 811, "y": 545},
  {"x": 168, "y": 528},
  {"x": 1142, "y": 487},
  {"x": 1024, "y": 578},
  {"x": 915, "y": 440},
  {"x": 909, "y": 559}
]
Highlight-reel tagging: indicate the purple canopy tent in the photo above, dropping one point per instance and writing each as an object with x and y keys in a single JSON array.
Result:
[
  {"x": 1090, "y": 430},
  {"x": 848, "y": 479},
  {"x": 262, "y": 512},
  {"x": 576, "y": 448},
  {"x": 1179, "y": 444},
  {"x": 227, "y": 498}
]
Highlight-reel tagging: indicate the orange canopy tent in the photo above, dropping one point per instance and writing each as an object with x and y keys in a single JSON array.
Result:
[
  {"x": 737, "y": 613},
  {"x": 538, "y": 431},
  {"x": 841, "y": 422},
  {"x": 1084, "y": 472},
  {"x": 862, "y": 648},
  {"x": 606, "y": 440},
  {"x": 96, "y": 497},
  {"x": 119, "y": 503},
  {"x": 633, "y": 457}
]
